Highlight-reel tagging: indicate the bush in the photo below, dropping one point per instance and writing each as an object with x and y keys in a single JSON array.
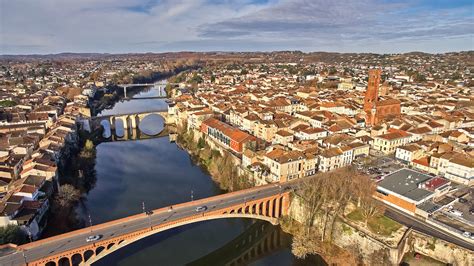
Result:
[
  {"x": 12, "y": 234},
  {"x": 7, "y": 103}
]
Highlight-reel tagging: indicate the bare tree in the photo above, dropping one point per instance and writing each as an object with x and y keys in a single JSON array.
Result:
[
  {"x": 67, "y": 195},
  {"x": 371, "y": 208}
]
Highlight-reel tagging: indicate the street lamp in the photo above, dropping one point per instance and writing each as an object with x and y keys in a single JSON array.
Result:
[
  {"x": 143, "y": 206},
  {"x": 24, "y": 257},
  {"x": 192, "y": 195},
  {"x": 29, "y": 234},
  {"x": 90, "y": 221}
]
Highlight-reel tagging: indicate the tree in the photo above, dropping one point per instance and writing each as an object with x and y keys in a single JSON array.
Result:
[
  {"x": 67, "y": 196},
  {"x": 7, "y": 103},
  {"x": 12, "y": 234},
  {"x": 201, "y": 143},
  {"x": 371, "y": 208}
]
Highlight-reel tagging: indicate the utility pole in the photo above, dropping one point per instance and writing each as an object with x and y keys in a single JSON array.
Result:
[
  {"x": 192, "y": 195},
  {"x": 143, "y": 206}
]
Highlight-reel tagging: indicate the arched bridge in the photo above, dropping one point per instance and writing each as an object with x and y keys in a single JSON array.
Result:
[
  {"x": 161, "y": 85},
  {"x": 128, "y": 120},
  {"x": 266, "y": 203}
]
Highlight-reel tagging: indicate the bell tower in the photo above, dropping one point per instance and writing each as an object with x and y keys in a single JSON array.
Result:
[{"x": 372, "y": 94}]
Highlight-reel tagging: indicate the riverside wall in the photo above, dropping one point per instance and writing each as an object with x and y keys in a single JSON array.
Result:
[{"x": 369, "y": 246}]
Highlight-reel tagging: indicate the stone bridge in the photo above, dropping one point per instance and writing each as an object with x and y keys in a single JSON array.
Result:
[
  {"x": 129, "y": 121},
  {"x": 267, "y": 203}
]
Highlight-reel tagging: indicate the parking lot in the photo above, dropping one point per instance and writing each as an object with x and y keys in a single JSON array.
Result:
[{"x": 377, "y": 167}]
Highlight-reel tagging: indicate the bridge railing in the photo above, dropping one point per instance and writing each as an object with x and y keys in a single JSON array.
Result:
[{"x": 137, "y": 217}]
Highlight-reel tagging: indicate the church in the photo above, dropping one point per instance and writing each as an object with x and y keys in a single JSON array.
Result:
[{"x": 377, "y": 110}]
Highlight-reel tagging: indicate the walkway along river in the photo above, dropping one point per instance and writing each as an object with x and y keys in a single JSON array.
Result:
[{"x": 151, "y": 173}]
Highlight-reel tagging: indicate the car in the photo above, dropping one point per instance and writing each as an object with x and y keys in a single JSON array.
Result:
[
  {"x": 466, "y": 234},
  {"x": 462, "y": 200},
  {"x": 149, "y": 212},
  {"x": 93, "y": 238},
  {"x": 201, "y": 208}
]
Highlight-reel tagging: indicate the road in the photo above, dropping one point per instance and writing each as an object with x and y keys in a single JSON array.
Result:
[
  {"x": 423, "y": 227},
  {"x": 214, "y": 203},
  {"x": 48, "y": 248}
]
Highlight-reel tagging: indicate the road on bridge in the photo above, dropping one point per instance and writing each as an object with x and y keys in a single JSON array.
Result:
[
  {"x": 142, "y": 221},
  {"x": 47, "y": 247}
]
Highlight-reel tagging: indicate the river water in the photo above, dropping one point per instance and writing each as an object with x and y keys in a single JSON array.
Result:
[{"x": 155, "y": 173}]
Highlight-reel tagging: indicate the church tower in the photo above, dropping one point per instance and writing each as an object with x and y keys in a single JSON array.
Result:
[{"x": 372, "y": 95}]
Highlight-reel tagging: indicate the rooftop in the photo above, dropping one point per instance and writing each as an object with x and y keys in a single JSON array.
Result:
[{"x": 405, "y": 182}]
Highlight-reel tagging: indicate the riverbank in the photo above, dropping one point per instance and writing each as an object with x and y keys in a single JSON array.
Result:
[
  {"x": 345, "y": 234},
  {"x": 219, "y": 163},
  {"x": 76, "y": 174}
]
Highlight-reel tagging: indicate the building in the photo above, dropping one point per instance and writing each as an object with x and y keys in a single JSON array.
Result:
[
  {"x": 406, "y": 189},
  {"x": 226, "y": 135},
  {"x": 408, "y": 153},
  {"x": 331, "y": 159},
  {"x": 377, "y": 110},
  {"x": 388, "y": 143},
  {"x": 285, "y": 165}
]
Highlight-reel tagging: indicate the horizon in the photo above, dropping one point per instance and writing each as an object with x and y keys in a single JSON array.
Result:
[
  {"x": 203, "y": 52},
  {"x": 142, "y": 26}
]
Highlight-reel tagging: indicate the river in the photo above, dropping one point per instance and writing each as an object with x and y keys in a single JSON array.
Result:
[{"x": 153, "y": 173}]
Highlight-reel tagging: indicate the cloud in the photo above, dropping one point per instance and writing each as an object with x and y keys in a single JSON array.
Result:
[
  {"x": 32, "y": 26},
  {"x": 344, "y": 21}
]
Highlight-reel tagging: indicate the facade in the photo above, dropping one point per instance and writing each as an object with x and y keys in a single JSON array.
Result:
[
  {"x": 388, "y": 143},
  {"x": 285, "y": 165},
  {"x": 408, "y": 153},
  {"x": 376, "y": 110},
  {"x": 226, "y": 135},
  {"x": 331, "y": 159}
]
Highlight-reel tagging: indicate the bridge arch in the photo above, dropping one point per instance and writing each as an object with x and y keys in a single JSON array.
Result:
[
  {"x": 129, "y": 121},
  {"x": 139, "y": 237},
  {"x": 272, "y": 208}
]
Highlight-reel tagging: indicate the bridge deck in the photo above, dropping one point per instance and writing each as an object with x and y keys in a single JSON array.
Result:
[
  {"x": 132, "y": 113},
  {"x": 133, "y": 226}
]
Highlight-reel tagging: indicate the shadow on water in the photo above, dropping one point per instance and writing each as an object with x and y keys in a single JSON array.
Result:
[{"x": 260, "y": 243}]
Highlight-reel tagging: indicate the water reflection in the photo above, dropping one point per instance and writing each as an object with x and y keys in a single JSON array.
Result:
[
  {"x": 152, "y": 124},
  {"x": 159, "y": 173}
]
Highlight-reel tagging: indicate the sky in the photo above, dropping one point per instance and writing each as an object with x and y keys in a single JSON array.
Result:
[{"x": 128, "y": 26}]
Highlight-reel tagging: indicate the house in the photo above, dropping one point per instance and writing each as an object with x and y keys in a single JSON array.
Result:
[
  {"x": 195, "y": 119},
  {"x": 285, "y": 165},
  {"x": 330, "y": 159},
  {"x": 408, "y": 153},
  {"x": 457, "y": 167},
  {"x": 388, "y": 143},
  {"x": 283, "y": 137},
  {"x": 359, "y": 149},
  {"x": 309, "y": 133}
]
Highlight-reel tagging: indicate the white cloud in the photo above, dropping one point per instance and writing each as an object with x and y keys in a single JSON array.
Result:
[{"x": 44, "y": 26}]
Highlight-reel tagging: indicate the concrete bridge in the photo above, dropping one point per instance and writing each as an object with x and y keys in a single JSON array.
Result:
[
  {"x": 128, "y": 120},
  {"x": 160, "y": 84},
  {"x": 267, "y": 203}
]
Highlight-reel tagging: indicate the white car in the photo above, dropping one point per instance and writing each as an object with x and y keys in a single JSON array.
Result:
[
  {"x": 201, "y": 208},
  {"x": 93, "y": 238}
]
